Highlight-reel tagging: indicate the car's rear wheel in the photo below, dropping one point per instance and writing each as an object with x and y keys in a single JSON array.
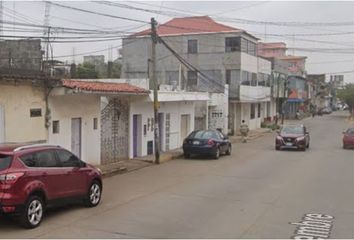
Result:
[
  {"x": 217, "y": 153},
  {"x": 32, "y": 215},
  {"x": 277, "y": 148},
  {"x": 228, "y": 152},
  {"x": 94, "y": 194}
]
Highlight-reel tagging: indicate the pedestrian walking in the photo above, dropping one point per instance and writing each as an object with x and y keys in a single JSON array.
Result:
[{"x": 244, "y": 131}]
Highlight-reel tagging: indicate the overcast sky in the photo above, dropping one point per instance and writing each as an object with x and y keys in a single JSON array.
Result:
[{"x": 309, "y": 12}]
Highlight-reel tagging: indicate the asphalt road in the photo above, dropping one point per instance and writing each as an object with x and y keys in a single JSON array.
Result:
[{"x": 254, "y": 193}]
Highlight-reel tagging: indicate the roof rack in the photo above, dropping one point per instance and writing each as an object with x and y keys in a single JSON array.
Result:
[{"x": 34, "y": 146}]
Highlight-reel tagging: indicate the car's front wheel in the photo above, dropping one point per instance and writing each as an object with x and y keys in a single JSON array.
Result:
[
  {"x": 228, "y": 152},
  {"x": 32, "y": 215},
  {"x": 217, "y": 153},
  {"x": 94, "y": 194}
]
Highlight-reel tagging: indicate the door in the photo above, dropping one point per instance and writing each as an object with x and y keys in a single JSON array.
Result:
[
  {"x": 76, "y": 176},
  {"x": 135, "y": 135},
  {"x": 184, "y": 126},
  {"x": 161, "y": 131},
  {"x": 2, "y": 124},
  {"x": 76, "y": 136}
]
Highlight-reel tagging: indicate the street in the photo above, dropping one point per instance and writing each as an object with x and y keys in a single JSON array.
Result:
[{"x": 254, "y": 193}]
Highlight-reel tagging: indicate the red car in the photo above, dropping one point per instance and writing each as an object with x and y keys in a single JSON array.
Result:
[
  {"x": 35, "y": 177},
  {"x": 348, "y": 138},
  {"x": 292, "y": 137}
]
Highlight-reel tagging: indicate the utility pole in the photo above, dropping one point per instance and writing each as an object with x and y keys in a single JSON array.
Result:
[
  {"x": 278, "y": 100},
  {"x": 155, "y": 86},
  {"x": 284, "y": 100}
]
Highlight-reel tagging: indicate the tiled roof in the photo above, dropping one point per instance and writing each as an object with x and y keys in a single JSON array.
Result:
[
  {"x": 190, "y": 25},
  {"x": 103, "y": 86},
  {"x": 272, "y": 45}
]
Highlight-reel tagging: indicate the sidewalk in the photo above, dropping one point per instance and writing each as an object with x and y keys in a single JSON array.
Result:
[
  {"x": 252, "y": 134},
  {"x": 129, "y": 165}
]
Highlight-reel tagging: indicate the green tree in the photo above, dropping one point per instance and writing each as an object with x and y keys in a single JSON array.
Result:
[
  {"x": 86, "y": 70},
  {"x": 347, "y": 96}
]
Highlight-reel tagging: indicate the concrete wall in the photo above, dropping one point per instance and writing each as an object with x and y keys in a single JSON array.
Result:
[
  {"x": 86, "y": 107},
  {"x": 20, "y": 55},
  {"x": 172, "y": 136},
  {"x": 17, "y": 101},
  {"x": 211, "y": 56}
]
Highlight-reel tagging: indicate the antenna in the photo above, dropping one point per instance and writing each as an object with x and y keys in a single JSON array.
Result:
[
  {"x": 73, "y": 57},
  {"x": 110, "y": 52},
  {"x": 46, "y": 17},
  {"x": 1, "y": 19}
]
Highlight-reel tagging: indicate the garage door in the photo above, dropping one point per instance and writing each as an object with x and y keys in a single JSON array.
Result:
[{"x": 184, "y": 126}]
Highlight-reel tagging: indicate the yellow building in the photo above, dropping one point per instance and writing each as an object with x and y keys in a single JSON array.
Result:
[{"x": 22, "y": 110}]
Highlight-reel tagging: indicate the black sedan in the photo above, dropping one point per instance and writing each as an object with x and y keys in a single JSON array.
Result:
[{"x": 206, "y": 142}]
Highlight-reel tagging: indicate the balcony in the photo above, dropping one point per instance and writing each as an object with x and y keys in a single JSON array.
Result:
[{"x": 254, "y": 94}]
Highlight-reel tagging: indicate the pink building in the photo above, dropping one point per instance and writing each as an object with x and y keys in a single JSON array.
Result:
[
  {"x": 296, "y": 64},
  {"x": 274, "y": 49}
]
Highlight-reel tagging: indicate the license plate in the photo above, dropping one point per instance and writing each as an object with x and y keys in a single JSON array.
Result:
[
  {"x": 288, "y": 144},
  {"x": 196, "y": 142}
]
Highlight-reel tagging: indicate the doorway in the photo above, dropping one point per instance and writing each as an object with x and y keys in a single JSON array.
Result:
[
  {"x": 137, "y": 135},
  {"x": 76, "y": 136}
]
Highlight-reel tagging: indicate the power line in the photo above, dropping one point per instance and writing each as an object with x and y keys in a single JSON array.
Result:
[{"x": 97, "y": 13}]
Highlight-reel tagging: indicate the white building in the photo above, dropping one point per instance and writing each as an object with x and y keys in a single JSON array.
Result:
[{"x": 79, "y": 124}]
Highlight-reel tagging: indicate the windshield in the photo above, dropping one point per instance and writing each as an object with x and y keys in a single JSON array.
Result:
[
  {"x": 350, "y": 131},
  {"x": 5, "y": 161},
  {"x": 203, "y": 135},
  {"x": 292, "y": 130}
]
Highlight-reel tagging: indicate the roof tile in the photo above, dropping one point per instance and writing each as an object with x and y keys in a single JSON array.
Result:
[
  {"x": 102, "y": 86},
  {"x": 190, "y": 25}
]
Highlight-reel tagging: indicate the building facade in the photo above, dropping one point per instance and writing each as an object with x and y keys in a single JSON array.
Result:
[{"x": 223, "y": 56}]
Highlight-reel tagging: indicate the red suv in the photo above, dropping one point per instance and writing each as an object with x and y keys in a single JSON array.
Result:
[{"x": 35, "y": 177}]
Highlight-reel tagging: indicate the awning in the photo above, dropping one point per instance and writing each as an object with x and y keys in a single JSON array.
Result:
[{"x": 295, "y": 100}]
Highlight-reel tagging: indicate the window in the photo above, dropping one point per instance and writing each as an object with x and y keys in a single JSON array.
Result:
[
  {"x": 232, "y": 44},
  {"x": 259, "y": 110},
  {"x": 254, "y": 79},
  {"x": 68, "y": 159},
  {"x": 55, "y": 127},
  {"x": 5, "y": 161},
  {"x": 95, "y": 123},
  {"x": 29, "y": 160},
  {"x": 192, "y": 46},
  {"x": 228, "y": 76},
  {"x": 46, "y": 159},
  {"x": 251, "y": 48},
  {"x": 36, "y": 112},
  {"x": 253, "y": 111},
  {"x": 246, "y": 78},
  {"x": 192, "y": 78}
]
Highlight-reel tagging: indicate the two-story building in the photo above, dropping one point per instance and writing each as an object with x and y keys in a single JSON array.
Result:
[{"x": 222, "y": 54}]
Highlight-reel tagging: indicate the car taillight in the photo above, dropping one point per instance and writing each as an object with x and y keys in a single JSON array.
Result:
[
  {"x": 211, "y": 142},
  {"x": 10, "y": 177}
]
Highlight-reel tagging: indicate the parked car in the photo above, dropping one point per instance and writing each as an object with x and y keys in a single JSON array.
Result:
[
  {"x": 348, "y": 138},
  {"x": 326, "y": 110},
  {"x": 36, "y": 177},
  {"x": 292, "y": 137},
  {"x": 206, "y": 142}
]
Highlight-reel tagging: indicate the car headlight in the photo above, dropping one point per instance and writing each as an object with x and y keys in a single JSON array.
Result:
[
  {"x": 279, "y": 138},
  {"x": 300, "y": 139}
]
